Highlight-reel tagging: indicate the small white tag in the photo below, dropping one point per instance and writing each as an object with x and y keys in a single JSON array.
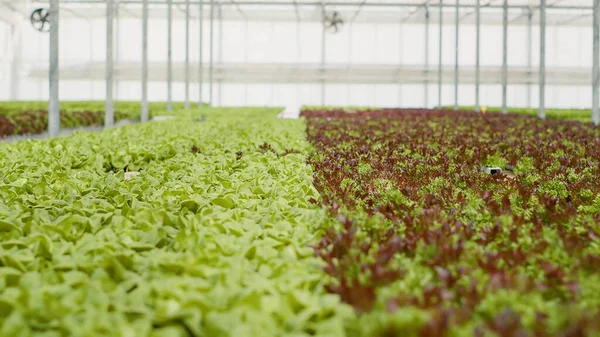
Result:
[{"x": 129, "y": 175}]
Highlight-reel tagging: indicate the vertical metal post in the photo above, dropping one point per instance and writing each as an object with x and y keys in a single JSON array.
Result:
[
  {"x": 169, "y": 55},
  {"x": 201, "y": 52},
  {"x": 477, "y": 54},
  {"x": 211, "y": 53},
  {"x": 298, "y": 59},
  {"x": 596, "y": 64},
  {"x": 542, "y": 107},
  {"x": 529, "y": 54},
  {"x": 187, "y": 54},
  {"x": 456, "y": 68},
  {"x": 348, "y": 91},
  {"x": 145, "y": 115},
  {"x": 91, "y": 41},
  {"x": 426, "y": 85},
  {"x": 504, "y": 55},
  {"x": 323, "y": 56},
  {"x": 117, "y": 44},
  {"x": 220, "y": 102},
  {"x": 440, "y": 57},
  {"x": 245, "y": 57},
  {"x": 400, "y": 64},
  {"x": 109, "y": 113},
  {"x": 53, "y": 102},
  {"x": 17, "y": 58}
]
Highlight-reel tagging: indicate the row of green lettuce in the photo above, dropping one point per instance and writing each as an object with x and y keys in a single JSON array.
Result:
[
  {"x": 31, "y": 117},
  {"x": 131, "y": 108},
  {"x": 582, "y": 115},
  {"x": 211, "y": 238}
]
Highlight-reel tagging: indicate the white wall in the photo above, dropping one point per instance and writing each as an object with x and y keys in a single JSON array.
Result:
[{"x": 81, "y": 41}]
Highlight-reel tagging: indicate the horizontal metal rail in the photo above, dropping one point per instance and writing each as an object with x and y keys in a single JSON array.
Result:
[
  {"x": 315, "y": 73},
  {"x": 328, "y": 4}
]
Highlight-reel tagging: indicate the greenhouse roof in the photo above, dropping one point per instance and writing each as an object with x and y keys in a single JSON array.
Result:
[{"x": 559, "y": 12}]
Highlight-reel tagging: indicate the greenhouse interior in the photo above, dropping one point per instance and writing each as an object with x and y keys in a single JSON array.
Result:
[{"x": 360, "y": 168}]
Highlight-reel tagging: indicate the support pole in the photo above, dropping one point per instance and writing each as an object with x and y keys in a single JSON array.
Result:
[
  {"x": 323, "y": 56},
  {"x": 441, "y": 41},
  {"x": 17, "y": 59},
  {"x": 53, "y": 102},
  {"x": 596, "y": 64},
  {"x": 477, "y": 54},
  {"x": 109, "y": 112},
  {"x": 117, "y": 44},
  {"x": 529, "y": 54},
  {"x": 91, "y": 41},
  {"x": 187, "y": 54},
  {"x": 349, "y": 54},
  {"x": 426, "y": 85},
  {"x": 400, "y": 63},
  {"x": 201, "y": 59},
  {"x": 169, "y": 55},
  {"x": 145, "y": 115},
  {"x": 220, "y": 102},
  {"x": 456, "y": 67},
  {"x": 298, "y": 60},
  {"x": 246, "y": 57},
  {"x": 542, "y": 107},
  {"x": 211, "y": 53},
  {"x": 504, "y": 56}
]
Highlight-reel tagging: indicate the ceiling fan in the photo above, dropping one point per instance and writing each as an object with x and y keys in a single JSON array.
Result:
[
  {"x": 40, "y": 20},
  {"x": 333, "y": 22}
]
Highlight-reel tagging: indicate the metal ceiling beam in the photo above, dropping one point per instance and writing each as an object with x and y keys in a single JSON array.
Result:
[
  {"x": 9, "y": 17},
  {"x": 415, "y": 11},
  {"x": 75, "y": 13},
  {"x": 128, "y": 11},
  {"x": 572, "y": 19},
  {"x": 329, "y": 4},
  {"x": 379, "y": 15},
  {"x": 313, "y": 73},
  {"x": 296, "y": 11},
  {"x": 360, "y": 7}
]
